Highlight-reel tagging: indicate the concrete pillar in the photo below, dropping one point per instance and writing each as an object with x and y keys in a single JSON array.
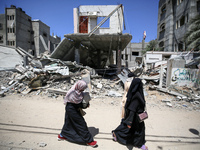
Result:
[
  {"x": 161, "y": 76},
  {"x": 76, "y": 20},
  {"x": 119, "y": 54},
  {"x": 77, "y": 53},
  {"x": 99, "y": 58},
  {"x": 25, "y": 58},
  {"x": 173, "y": 63}
]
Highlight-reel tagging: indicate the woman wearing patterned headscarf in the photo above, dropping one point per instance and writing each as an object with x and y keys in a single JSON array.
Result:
[
  {"x": 75, "y": 128},
  {"x": 131, "y": 131}
]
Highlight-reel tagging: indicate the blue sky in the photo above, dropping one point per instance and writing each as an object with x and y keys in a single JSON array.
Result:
[{"x": 140, "y": 15}]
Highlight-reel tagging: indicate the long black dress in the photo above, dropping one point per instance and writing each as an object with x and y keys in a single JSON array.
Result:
[
  {"x": 75, "y": 128},
  {"x": 135, "y": 103}
]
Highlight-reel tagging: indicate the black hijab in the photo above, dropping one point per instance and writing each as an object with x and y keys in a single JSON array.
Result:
[{"x": 135, "y": 92}]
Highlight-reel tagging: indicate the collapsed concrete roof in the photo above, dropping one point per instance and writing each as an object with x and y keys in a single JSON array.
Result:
[
  {"x": 94, "y": 51},
  {"x": 9, "y": 58}
]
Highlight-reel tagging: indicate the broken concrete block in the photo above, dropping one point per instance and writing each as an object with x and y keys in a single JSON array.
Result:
[
  {"x": 114, "y": 94},
  {"x": 26, "y": 91},
  {"x": 42, "y": 144},
  {"x": 20, "y": 68},
  {"x": 36, "y": 63},
  {"x": 3, "y": 87},
  {"x": 29, "y": 74},
  {"x": 63, "y": 71},
  {"x": 179, "y": 97},
  {"x": 169, "y": 104},
  {"x": 57, "y": 91},
  {"x": 11, "y": 82},
  {"x": 20, "y": 77},
  {"x": 99, "y": 85},
  {"x": 35, "y": 70},
  {"x": 166, "y": 100},
  {"x": 8, "y": 88}
]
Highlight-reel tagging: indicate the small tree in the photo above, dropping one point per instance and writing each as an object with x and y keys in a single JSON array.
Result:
[
  {"x": 192, "y": 36},
  {"x": 152, "y": 46}
]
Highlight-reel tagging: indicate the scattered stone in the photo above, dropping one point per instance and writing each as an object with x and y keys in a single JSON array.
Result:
[
  {"x": 99, "y": 85},
  {"x": 42, "y": 144},
  {"x": 114, "y": 94},
  {"x": 169, "y": 104}
]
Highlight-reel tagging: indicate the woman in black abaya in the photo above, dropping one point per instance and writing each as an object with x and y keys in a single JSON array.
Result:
[
  {"x": 75, "y": 128},
  {"x": 131, "y": 131}
]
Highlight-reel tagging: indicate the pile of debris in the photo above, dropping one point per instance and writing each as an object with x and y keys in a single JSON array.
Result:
[{"x": 55, "y": 77}]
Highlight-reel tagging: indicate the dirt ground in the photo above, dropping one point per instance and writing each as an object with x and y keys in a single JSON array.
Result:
[{"x": 33, "y": 122}]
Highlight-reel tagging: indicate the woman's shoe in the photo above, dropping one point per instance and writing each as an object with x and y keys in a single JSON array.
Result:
[
  {"x": 93, "y": 143},
  {"x": 114, "y": 137},
  {"x": 144, "y": 147},
  {"x": 61, "y": 138}
]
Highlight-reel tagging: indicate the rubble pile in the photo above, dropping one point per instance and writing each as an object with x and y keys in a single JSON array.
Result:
[
  {"x": 172, "y": 99},
  {"x": 55, "y": 78}
]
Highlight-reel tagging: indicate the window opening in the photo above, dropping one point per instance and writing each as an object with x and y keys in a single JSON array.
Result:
[
  {"x": 180, "y": 46},
  {"x": 11, "y": 30},
  {"x": 1, "y": 26},
  {"x": 182, "y": 21},
  {"x": 162, "y": 27},
  {"x": 1, "y": 38},
  {"x": 179, "y": 2},
  {"x": 161, "y": 44},
  {"x": 198, "y": 7},
  {"x": 105, "y": 24},
  {"x": 126, "y": 57},
  {"x": 11, "y": 43},
  {"x": 177, "y": 24},
  {"x": 135, "y": 53},
  {"x": 163, "y": 9},
  {"x": 44, "y": 34}
]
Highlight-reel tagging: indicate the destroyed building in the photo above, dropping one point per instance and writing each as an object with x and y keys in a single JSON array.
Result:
[
  {"x": 173, "y": 68},
  {"x": 17, "y": 29},
  {"x": 92, "y": 44},
  {"x": 93, "y": 50}
]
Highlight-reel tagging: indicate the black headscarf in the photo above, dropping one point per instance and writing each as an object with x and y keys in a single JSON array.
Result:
[{"x": 135, "y": 92}]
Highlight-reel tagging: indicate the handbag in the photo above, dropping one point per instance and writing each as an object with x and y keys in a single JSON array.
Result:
[
  {"x": 142, "y": 116},
  {"x": 86, "y": 99},
  {"x": 85, "y": 102},
  {"x": 83, "y": 113}
]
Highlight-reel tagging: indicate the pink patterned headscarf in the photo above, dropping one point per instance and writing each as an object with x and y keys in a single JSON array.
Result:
[{"x": 75, "y": 94}]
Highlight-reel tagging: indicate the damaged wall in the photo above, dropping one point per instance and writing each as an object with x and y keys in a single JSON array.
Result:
[
  {"x": 94, "y": 14},
  {"x": 9, "y": 58},
  {"x": 185, "y": 76},
  {"x": 178, "y": 62}
]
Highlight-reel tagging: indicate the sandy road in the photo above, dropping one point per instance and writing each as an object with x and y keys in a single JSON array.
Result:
[{"x": 33, "y": 122}]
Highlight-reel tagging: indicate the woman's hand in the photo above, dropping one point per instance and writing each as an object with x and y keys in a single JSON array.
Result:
[{"x": 129, "y": 126}]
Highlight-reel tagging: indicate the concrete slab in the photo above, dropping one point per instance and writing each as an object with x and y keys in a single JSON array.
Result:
[{"x": 9, "y": 58}]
